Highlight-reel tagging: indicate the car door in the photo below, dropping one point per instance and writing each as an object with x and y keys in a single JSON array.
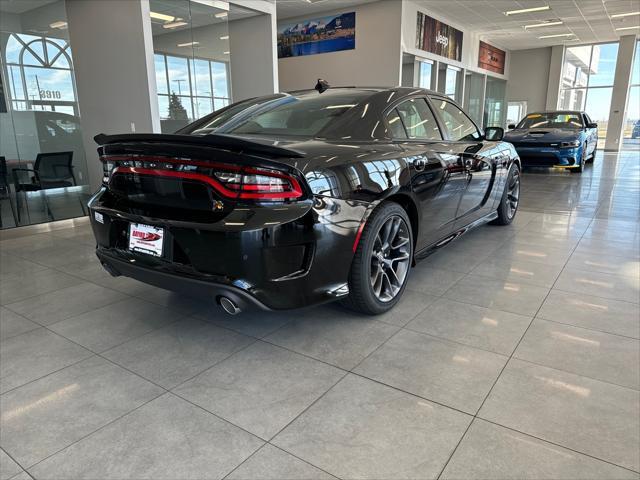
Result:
[
  {"x": 437, "y": 175},
  {"x": 466, "y": 141}
]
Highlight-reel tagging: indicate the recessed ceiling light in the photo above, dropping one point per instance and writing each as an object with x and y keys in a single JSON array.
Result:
[
  {"x": 222, "y": 5},
  {"x": 620, "y": 15},
  {"x": 221, "y": 15},
  {"x": 59, "y": 25},
  {"x": 527, "y": 10},
  {"x": 188, "y": 44},
  {"x": 545, "y": 24},
  {"x": 174, "y": 24},
  {"x": 558, "y": 35},
  {"x": 224, "y": 37},
  {"x": 628, "y": 28},
  {"x": 226, "y": 53},
  {"x": 162, "y": 16}
]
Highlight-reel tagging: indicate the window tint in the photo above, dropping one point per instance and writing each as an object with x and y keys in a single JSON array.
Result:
[
  {"x": 564, "y": 120},
  {"x": 457, "y": 124},
  {"x": 396, "y": 129},
  {"x": 419, "y": 120},
  {"x": 304, "y": 114}
]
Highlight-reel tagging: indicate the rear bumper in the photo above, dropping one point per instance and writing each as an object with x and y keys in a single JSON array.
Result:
[
  {"x": 549, "y": 157},
  {"x": 210, "y": 289},
  {"x": 288, "y": 265}
]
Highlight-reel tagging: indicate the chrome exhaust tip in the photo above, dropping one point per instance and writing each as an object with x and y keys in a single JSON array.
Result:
[{"x": 229, "y": 306}]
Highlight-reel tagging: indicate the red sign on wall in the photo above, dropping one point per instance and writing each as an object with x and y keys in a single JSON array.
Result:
[{"x": 491, "y": 58}]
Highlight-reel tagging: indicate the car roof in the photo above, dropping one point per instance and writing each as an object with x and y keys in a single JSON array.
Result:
[
  {"x": 399, "y": 89},
  {"x": 577, "y": 112}
]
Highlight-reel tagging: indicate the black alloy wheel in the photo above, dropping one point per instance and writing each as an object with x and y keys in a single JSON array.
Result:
[
  {"x": 510, "y": 198},
  {"x": 382, "y": 262}
]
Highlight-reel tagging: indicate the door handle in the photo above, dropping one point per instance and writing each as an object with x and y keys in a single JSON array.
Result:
[{"x": 420, "y": 163}]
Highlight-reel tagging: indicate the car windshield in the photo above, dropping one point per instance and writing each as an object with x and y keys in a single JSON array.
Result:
[
  {"x": 304, "y": 114},
  {"x": 565, "y": 120}
]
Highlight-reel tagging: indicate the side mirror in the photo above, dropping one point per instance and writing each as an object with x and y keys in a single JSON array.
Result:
[
  {"x": 494, "y": 134},
  {"x": 511, "y": 126},
  {"x": 592, "y": 125}
]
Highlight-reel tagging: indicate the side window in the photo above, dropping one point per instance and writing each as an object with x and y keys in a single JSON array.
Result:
[
  {"x": 396, "y": 129},
  {"x": 458, "y": 125},
  {"x": 418, "y": 119}
]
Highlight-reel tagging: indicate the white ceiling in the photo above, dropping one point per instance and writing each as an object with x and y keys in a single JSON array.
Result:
[
  {"x": 588, "y": 20},
  {"x": 298, "y": 8}
]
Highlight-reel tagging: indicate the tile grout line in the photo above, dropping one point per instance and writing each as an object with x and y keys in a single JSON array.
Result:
[
  {"x": 556, "y": 444},
  {"x": 475, "y": 416}
]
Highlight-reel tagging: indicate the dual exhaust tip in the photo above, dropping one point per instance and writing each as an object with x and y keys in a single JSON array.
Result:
[{"x": 229, "y": 305}]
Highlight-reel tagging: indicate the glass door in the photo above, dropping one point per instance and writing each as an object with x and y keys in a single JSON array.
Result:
[{"x": 43, "y": 169}]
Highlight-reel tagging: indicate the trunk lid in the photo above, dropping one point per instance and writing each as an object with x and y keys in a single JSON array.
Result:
[{"x": 218, "y": 181}]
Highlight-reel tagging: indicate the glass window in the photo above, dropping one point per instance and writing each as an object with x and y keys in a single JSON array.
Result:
[
  {"x": 220, "y": 79},
  {"x": 495, "y": 103},
  {"x": 192, "y": 55},
  {"x": 587, "y": 81},
  {"x": 39, "y": 115},
  {"x": 396, "y": 130},
  {"x": 418, "y": 119},
  {"x": 425, "y": 74},
  {"x": 457, "y": 124},
  {"x": 603, "y": 65},
  {"x": 598, "y": 105},
  {"x": 631, "y": 130},
  {"x": 161, "y": 74},
  {"x": 201, "y": 78},
  {"x": 474, "y": 86},
  {"x": 635, "y": 76},
  {"x": 291, "y": 115}
]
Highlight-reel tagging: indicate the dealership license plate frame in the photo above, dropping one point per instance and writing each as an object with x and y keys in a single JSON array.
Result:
[{"x": 139, "y": 244}]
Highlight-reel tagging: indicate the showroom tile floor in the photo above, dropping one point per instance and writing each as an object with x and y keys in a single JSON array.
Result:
[{"x": 514, "y": 354}]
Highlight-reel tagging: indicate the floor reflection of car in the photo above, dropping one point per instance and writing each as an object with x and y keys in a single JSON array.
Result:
[
  {"x": 297, "y": 199},
  {"x": 635, "y": 133},
  {"x": 42, "y": 132},
  {"x": 566, "y": 139}
]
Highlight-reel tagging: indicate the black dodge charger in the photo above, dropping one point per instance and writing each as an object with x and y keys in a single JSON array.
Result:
[{"x": 296, "y": 199}]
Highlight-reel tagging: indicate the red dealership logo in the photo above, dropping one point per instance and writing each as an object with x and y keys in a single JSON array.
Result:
[{"x": 145, "y": 236}]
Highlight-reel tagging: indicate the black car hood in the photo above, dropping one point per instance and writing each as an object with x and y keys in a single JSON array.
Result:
[{"x": 542, "y": 135}]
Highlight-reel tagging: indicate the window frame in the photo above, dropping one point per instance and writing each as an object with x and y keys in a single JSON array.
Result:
[
  {"x": 193, "y": 95},
  {"x": 394, "y": 106}
]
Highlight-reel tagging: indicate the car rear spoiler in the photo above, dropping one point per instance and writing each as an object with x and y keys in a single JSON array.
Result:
[{"x": 217, "y": 140}]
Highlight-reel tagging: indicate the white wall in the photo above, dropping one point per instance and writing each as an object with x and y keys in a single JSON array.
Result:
[
  {"x": 115, "y": 79},
  {"x": 253, "y": 56},
  {"x": 376, "y": 60},
  {"x": 528, "y": 77}
]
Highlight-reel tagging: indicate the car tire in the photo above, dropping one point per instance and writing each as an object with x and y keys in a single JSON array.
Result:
[
  {"x": 592, "y": 158},
  {"x": 510, "y": 200},
  {"x": 583, "y": 160},
  {"x": 369, "y": 291}
]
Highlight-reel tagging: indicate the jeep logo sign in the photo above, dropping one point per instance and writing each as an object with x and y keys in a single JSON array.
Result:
[
  {"x": 437, "y": 37},
  {"x": 442, "y": 40}
]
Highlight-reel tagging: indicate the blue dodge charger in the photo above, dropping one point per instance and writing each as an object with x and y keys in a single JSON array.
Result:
[{"x": 566, "y": 139}]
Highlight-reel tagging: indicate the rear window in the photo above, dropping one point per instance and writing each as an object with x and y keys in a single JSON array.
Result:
[{"x": 302, "y": 115}]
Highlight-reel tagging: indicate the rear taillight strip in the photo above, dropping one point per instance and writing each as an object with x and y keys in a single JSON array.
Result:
[{"x": 295, "y": 192}]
